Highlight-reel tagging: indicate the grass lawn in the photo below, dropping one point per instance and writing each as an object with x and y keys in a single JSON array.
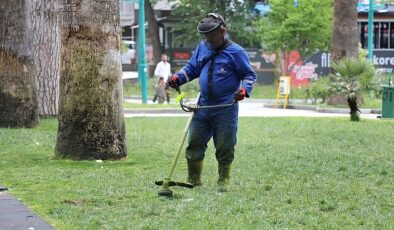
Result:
[{"x": 292, "y": 173}]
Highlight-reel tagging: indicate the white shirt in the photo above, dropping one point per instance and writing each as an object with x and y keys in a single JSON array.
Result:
[{"x": 163, "y": 69}]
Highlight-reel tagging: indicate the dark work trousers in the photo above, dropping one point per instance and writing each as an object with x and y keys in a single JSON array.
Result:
[{"x": 222, "y": 125}]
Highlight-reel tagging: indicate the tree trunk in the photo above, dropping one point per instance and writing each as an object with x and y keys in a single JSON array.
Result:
[
  {"x": 18, "y": 105},
  {"x": 153, "y": 31},
  {"x": 46, "y": 51},
  {"x": 280, "y": 63},
  {"x": 354, "y": 111},
  {"x": 91, "y": 122},
  {"x": 344, "y": 37}
]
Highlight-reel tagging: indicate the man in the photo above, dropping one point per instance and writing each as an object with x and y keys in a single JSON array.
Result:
[
  {"x": 225, "y": 75},
  {"x": 163, "y": 70}
]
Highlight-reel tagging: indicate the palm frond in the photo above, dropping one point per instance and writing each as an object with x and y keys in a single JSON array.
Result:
[
  {"x": 351, "y": 75},
  {"x": 352, "y": 68}
]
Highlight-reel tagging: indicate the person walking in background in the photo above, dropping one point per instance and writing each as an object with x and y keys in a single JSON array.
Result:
[
  {"x": 163, "y": 70},
  {"x": 161, "y": 90},
  {"x": 225, "y": 75}
]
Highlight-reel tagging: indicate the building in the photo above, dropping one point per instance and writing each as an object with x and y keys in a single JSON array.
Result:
[
  {"x": 129, "y": 19},
  {"x": 303, "y": 71},
  {"x": 383, "y": 34}
]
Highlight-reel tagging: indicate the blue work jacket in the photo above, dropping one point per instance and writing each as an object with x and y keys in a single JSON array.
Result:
[{"x": 231, "y": 70}]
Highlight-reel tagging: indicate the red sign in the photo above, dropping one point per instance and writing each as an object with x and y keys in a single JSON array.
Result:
[{"x": 182, "y": 55}]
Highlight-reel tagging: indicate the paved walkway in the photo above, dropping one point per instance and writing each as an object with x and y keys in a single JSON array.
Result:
[
  {"x": 254, "y": 108},
  {"x": 16, "y": 216}
]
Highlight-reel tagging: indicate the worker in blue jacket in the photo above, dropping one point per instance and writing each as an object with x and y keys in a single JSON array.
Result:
[{"x": 225, "y": 75}]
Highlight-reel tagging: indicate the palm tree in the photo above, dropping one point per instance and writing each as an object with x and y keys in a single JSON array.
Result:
[
  {"x": 344, "y": 35},
  {"x": 350, "y": 77}
]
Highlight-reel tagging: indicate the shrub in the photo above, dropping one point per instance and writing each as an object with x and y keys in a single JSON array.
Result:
[
  {"x": 317, "y": 90},
  {"x": 351, "y": 77}
]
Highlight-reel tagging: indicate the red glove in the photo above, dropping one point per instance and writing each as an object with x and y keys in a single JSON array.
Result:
[
  {"x": 240, "y": 94},
  {"x": 173, "y": 81}
]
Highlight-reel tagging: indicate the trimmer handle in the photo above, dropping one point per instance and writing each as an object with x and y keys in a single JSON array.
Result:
[{"x": 178, "y": 90}]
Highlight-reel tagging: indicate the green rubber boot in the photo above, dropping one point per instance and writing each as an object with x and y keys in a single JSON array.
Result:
[
  {"x": 224, "y": 177},
  {"x": 194, "y": 169}
]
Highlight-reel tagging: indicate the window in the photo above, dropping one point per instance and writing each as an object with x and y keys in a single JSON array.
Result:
[
  {"x": 383, "y": 34},
  {"x": 391, "y": 35},
  {"x": 363, "y": 31}
]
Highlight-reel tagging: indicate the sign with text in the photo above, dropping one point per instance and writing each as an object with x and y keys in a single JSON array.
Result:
[{"x": 301, "y": 69}]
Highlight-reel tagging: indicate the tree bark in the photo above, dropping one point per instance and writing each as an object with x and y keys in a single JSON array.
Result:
[
  {"x": 344, "y": 37},
  {"x": 46, "y": 52},
  {"x": 18, "y": 105},
  {"x": 354, "y": 111},
  {"x": 153, "y": 31},
  {"x": 91, "y": 121}
]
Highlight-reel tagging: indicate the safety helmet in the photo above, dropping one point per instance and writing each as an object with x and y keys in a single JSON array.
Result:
[{"x": 211, "y": 22}]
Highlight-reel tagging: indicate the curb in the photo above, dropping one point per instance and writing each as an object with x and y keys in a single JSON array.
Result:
[
  {"x": 343, "y": 110},
  {"x": 301, "y": 107},
  {"x": 153, "y": 111},
  {"x": 327, "y": 110},
  {"x": 266, "y": 103}
]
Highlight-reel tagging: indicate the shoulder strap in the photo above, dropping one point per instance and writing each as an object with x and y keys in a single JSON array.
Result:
[{"x": 224, "y": 45}]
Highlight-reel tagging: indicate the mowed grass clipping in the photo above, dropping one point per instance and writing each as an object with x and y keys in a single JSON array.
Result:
[{"x": 297, "y": 173}]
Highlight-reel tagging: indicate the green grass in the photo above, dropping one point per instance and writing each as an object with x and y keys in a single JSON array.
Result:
[
  {"x": 294, "y": 173},
  {"x": 372, "y": 103}
]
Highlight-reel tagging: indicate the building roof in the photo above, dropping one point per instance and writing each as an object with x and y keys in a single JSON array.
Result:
[
  {"x": 378, "y": 8},
  {"x": 165, "y": 5},
  {"x": 160, "y": 5},
  {"x": 262, "y": 8}
]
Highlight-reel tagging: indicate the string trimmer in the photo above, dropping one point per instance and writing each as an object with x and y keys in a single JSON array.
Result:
[{"x": 167, "y": 182}]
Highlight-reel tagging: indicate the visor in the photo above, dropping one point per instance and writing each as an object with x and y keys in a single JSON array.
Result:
[
  {"x": 210, "y": 23},
  {"x": 204, "y": 28}
]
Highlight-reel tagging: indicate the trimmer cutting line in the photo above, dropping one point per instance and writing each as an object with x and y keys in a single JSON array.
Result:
[
  {"x": 196, "y": 107},
  {"x": 167, "y": 182}
]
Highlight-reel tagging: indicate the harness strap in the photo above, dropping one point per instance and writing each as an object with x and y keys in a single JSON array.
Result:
[{"x": 211, "y": 58}]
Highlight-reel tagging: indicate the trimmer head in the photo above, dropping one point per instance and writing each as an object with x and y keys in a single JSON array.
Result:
[{"x": 166, "y": 193}]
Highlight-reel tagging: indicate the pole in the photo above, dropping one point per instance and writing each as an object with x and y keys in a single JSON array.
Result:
[
  {"x": 370, "y": 31},
  {"x": 142, "y": 67}
]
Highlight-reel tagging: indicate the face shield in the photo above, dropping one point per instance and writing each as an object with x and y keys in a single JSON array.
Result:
[
  {"x": 211, "y": 29},
  {"x": 211, "y": 22}
]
